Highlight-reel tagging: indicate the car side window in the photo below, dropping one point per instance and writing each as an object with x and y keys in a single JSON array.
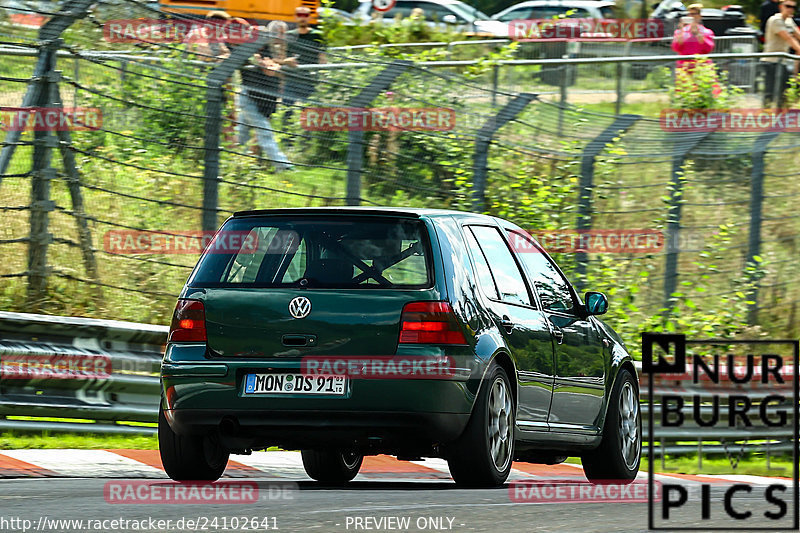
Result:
[
  {"x": 436, "y": 12},
  {"x": 510, "y": 280},
  {"x": 400, "y": 8},
  {"x": 515, "y": 14},
  {"x": 552, "y": 287},
  {"x": 578, "y": 13},
  {"x": 482, "y": 272},
  {"x": 547, "y": 12}
]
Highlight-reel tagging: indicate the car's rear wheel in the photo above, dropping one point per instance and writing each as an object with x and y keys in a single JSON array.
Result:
[
  {"x": 619, "y": 454},
  {"x": 190, "y": 458},
  {"x": 331, "y": 466},
  {"x": 483, "y": 454}
]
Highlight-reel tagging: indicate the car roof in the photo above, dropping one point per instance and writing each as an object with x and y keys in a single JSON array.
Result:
[
  {"x": 441, "y": 2},
  {"x": 360, "y": 210},
  {"x": 576, "y": 3}
]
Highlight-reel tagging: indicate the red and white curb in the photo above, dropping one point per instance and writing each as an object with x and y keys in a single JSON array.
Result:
[{"x": 288, "y": 466}]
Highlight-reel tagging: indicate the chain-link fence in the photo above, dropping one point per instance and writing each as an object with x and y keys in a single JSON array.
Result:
[{"x": 165, "y": 137}]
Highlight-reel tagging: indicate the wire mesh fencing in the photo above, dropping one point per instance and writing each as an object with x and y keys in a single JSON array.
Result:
[{"x": 167, "y": 131}]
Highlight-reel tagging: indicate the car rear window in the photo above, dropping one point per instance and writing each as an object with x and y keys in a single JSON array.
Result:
[{"x": 317, "y": 252}]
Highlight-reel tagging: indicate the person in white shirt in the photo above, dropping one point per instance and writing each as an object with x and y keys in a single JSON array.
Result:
[{"x": 781, "y": 35}]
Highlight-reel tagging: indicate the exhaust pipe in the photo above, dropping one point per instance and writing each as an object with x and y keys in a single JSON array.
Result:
[{"x": 229, "y": 426}]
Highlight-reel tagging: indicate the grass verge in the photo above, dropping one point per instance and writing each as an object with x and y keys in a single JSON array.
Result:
[{"x": 12, "y": 440}]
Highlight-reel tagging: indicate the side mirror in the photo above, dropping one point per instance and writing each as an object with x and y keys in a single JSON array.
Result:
[
  {"x": 450, "y": 19},
  {"x": 596, "y": 303}
]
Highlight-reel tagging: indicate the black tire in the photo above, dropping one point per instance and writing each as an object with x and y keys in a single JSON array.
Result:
[
  {"x": 482, "y": 456},
  {"x": 333, "y": 467},
  {"x": 618, "y": 457},
  {"x": 190, "y": 458}
]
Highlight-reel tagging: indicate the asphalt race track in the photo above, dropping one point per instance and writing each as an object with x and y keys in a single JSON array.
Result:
[{"x": 269, "y": 490}]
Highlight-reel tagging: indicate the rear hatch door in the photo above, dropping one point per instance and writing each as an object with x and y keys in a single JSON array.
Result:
[{"x": 291, "y": 286}]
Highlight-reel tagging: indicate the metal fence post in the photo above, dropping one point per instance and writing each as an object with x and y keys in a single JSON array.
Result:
[
  {"x": 214, "y": 99},
  {"x": 684, "y": 144},
  {"x": 355, "y": 139},
  {"x": 562, "y": 103},
  {"x": 76, "y": 197},
  {"x": 482, "y": 141},
  {"x": 584, "y": 222},
  {"x": 622, "y": 69},
  {"x": 41, "y": 175},
  {"x": 756, "y": 204},
  {"x": 52, "y": 29},
  {"x": 75, "y": 76},
  {"x": 495, "y": 83},
  {"x": 776, "y": 84}
]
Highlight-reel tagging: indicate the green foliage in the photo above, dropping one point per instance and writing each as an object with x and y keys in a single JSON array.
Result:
[
  {"x": 792, "y": 94},
  {"x": 703, "y": 86},
  {"x": 536, "y": 195},
  {"x": 701, "y": 307},
  {"x": 403, "y": 30},
  {"x": 168, "y": 107},
  {"x": 659, "y": 78},
  {"x": 14, "y": 440}
]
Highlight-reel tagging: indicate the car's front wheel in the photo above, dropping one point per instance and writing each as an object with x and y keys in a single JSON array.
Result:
[
  {"x": 482, "y": 456},
  {"x": 619, "y": 454},
  {"x": 331, "y": 466},
  {"x": 190, "y": 458}
]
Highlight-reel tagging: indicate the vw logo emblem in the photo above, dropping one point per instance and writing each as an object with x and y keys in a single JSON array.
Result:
[{"x": 300, "y": 307}]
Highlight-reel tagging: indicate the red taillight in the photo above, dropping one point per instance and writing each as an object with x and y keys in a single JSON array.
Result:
[
  {"x": 188, "y": 322},
  {"x": 430, "y": 323}
]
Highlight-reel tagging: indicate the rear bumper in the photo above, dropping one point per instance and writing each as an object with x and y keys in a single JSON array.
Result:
[
  {"x": 203, "y": 395},
  {"x": 304, "y": 429}
]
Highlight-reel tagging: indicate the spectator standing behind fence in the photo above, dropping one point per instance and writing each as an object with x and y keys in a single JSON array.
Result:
[
  {"x": 209, "y": 50},
  {"x": 781, "y": 34},
  {"x": 692, "y": 38},
  {"x": 307, "y": 46},
  {"x": 261, "y": 86},
  {"x": 215, "y": 50}
]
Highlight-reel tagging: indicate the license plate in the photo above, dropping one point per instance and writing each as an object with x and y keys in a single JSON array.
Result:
[{"x": 294, "y": 384}]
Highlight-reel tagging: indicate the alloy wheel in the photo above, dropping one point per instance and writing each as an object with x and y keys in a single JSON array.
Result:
[
  {"x": 500, "y": 424},
  {"x": 630, "y": 442}
]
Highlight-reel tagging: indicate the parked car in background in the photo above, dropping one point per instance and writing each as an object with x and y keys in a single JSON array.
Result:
[
  {"x": 336, "y": 14},
  {"x": 445, "y": 334},
  {"x": 551, "y": 9},
  {"x": 727, "y": 21},
  {"x": 548, "y": 9},
  {"x": 452, "y": 14}
]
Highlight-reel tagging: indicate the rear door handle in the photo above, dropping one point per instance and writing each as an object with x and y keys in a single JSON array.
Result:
[
  {"x": 507, "y": 324},
  {"x": 558, "y": 334}
]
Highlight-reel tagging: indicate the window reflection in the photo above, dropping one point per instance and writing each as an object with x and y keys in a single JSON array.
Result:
[
  {"x": 509, "y": 279},
  {"x": 553, "y": 289}
]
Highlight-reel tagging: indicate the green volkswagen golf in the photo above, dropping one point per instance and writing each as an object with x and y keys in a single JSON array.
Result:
[{"x": 346, "y": 332}]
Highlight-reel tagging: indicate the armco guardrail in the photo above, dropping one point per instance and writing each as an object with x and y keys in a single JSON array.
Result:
[
  {"x": 129, "y": 392},
  {"x": 126, "y": 390},
  {"x": 732, "y": 440}
]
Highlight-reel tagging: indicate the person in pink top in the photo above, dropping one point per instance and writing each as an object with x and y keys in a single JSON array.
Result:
[{"x": 692, "y": 38}]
